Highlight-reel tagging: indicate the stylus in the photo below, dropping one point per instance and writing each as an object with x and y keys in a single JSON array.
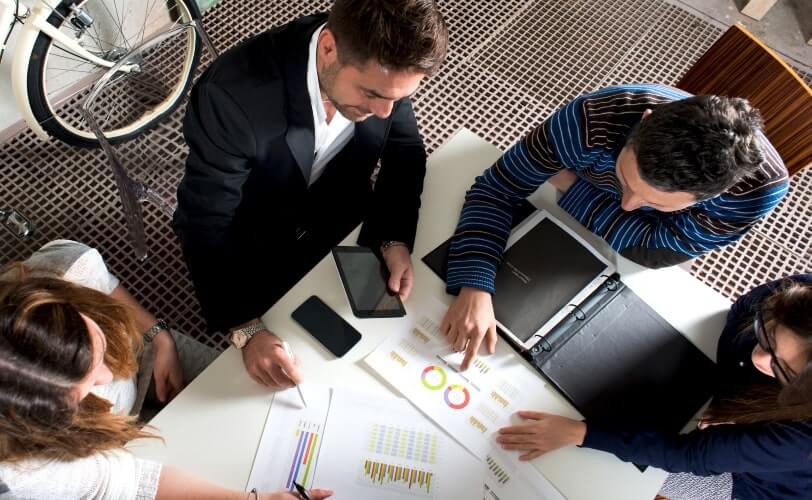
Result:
[{"x": 286, "y": 347}]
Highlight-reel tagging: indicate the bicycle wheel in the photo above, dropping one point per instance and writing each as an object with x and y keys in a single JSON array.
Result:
[{"x": 58, "y": 80}]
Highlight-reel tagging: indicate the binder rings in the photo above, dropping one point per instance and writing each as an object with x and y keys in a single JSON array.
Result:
[{"x": 614, "y": 358}]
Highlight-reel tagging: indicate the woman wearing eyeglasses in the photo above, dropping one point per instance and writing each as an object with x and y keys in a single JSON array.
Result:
[{"x": 755, "y": 439}]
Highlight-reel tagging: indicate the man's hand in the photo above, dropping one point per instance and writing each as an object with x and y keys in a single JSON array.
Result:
[
  {"x": 166, "y": 370},
  {"x": 563, "y": 180},
  {"x": 468, "y": 321},
  {"x": 399, "y": 263},
  {"x": 267, "y": 362},
  {"x": 541, "y": 433}
]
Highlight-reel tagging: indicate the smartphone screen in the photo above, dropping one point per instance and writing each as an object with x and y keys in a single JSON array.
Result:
[{"x": 326, "y": 325}]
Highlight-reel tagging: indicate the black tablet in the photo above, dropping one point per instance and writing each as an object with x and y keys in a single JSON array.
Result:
[{"x": 364, "y": 278}]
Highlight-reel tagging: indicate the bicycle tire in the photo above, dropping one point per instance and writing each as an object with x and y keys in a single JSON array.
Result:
[{"x": 56, "y": 127}]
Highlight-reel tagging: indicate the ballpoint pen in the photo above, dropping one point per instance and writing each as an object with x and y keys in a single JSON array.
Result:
[
  {"x": 302, "y": 491},
  {"x": 286, "y": 347}
]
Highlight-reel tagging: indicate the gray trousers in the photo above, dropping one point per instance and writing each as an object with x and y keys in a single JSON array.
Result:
[{"x": 194, "y": 358}]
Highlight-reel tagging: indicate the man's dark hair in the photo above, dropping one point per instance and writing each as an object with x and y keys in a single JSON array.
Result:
[
  {"x": 701, "y": 145},
  {"x": 401, "y": 35}
]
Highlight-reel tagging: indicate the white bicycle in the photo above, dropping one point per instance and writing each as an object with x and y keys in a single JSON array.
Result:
[{"x": 63, "y": 49}]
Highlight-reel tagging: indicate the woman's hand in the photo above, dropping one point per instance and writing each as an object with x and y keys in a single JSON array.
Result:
[
  {"x": 315, "y": 494},
  {"x": 167, "y": 370},
  {"x": 541, "y": 433}
]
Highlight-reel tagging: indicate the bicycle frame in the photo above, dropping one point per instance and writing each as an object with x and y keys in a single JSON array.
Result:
[{"x": 36, "y": 21}]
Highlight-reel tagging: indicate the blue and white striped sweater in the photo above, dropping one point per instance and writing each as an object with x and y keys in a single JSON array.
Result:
[{"x": 586, "y": 136}]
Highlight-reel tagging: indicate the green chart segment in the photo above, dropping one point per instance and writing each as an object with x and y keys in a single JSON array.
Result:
[
  {"x": 398, "y": 477},
  {"x": 304, "y": 456},
  {"x": 407, "y": 444}
]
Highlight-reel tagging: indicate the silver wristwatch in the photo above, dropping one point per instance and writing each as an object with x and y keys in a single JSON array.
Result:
[
  {"x": 240, "y": 336},
  {"x": 157, "y": 328}
]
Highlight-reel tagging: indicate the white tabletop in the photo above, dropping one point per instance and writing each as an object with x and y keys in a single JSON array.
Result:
[{"x": 213, "y": 427}]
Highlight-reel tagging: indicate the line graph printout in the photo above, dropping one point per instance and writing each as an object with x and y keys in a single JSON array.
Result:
[
  {"x": 472, "y": 405},
  {"x": 383, "y": 448}
]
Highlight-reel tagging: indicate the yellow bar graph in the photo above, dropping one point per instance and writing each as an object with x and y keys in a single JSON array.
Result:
[{"x": 397, "y": 477}]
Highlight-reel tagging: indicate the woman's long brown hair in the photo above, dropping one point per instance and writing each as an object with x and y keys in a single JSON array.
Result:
[
  {"x": 45, "y": 350},
  {"x": 791, "y": 306}
]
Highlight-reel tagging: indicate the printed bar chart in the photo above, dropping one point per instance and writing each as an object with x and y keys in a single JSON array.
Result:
[
  {"x": 397, "y": 477},
  {"x": 408, "y": 444},
  {"x": 301, "y": 465},
  {"x": 481, "y": 366},
  {"x": 501, "y": 476}
]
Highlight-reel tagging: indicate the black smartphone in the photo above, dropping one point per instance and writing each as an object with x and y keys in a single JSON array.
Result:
[{"x": 326, "y": 325}]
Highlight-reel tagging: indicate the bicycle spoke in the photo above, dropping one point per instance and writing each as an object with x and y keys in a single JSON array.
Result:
[
  {"x": 114, "y": 20},
  {"x": 72, "y": 56},
  {"x": 53, "y": 9},
  {"x": 121, "y": 24},
  {"x": 106, "y": 118},
  {"x": 147, "y": 14},
  {"x": 159, "y": 91},
  {"x": 56, "y": 91},
  {"x": 131, "y": 99}
]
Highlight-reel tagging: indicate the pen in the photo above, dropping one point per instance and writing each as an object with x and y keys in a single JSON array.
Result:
[
  {"x": 286, "y": 347},
  {"x": 301, "y": 490}
]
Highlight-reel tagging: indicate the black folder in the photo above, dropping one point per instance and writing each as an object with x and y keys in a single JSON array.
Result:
[{"x": 616, "y": 360}]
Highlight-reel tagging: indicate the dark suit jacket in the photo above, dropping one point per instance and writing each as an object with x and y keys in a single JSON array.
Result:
[{"x": 244, "y": 203}]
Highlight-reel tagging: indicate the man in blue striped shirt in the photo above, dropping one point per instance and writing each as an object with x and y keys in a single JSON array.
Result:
[{"x": 661, "y": 175}]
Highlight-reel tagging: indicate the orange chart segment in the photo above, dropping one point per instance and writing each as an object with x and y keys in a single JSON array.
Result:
[{"x": 397, "y": 477}]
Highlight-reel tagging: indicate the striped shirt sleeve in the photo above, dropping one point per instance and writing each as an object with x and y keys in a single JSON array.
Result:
[
  {"x": 586, "y": 136},
  {"x": 484, "y": 226}
]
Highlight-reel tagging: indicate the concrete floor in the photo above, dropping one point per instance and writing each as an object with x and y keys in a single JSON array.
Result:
[{"x": 786, "y": 28}]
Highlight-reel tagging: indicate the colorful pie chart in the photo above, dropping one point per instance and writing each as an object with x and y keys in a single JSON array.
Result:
[
  {"x": 457, "y": 396},
  {"x": 433, "y": 378}
]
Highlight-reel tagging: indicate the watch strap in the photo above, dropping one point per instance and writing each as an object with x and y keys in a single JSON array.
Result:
[{"x": 157, "y": 328}]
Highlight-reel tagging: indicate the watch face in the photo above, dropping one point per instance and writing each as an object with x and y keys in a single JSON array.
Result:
[{"x": 239, "y": 339}]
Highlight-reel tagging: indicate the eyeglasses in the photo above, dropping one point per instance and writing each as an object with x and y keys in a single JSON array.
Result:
[{"x": 767, "y": 342}]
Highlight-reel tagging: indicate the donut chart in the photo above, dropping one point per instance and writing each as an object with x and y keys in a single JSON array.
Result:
[
  {"x": 433, "y": 378},
  {"x": 456, "y": 396}
]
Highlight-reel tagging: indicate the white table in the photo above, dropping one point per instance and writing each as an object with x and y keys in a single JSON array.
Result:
[{"x": 213, "y": 427}]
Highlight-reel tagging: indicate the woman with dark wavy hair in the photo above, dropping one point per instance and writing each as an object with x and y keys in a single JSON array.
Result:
[
  {"x": 755, "y": 439},
  {"x": 74, "y": 371}
]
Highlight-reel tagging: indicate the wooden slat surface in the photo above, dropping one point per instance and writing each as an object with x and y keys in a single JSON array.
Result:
[{"x": 740, "y": 65}]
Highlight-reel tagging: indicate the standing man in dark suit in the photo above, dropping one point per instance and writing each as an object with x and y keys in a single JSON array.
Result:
[{"x": 284, "y": 133}]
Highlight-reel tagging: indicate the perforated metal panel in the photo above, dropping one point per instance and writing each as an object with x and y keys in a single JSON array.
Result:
[{"x": 511, "y": 64}]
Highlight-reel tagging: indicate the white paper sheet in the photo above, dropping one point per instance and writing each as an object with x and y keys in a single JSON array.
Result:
[
  {"x": 472, "y": 405},
  {"x": 291, "y": 440},
  {"x": 383, "y": 448},
  {"x": 363, "y": 447}
]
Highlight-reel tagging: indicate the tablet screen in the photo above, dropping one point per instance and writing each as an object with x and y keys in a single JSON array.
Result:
[{"x": 364, "y": 279}]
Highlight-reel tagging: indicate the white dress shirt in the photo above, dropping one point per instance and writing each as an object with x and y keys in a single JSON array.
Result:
[{"x": 331, "y": 137}]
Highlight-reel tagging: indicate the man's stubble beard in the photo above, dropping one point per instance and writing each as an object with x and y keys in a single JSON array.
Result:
[{"x": 327, "y": 78}]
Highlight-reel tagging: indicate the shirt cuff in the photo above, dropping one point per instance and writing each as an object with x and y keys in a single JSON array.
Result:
[
  {"x": 599, "y": 439},
  {"x": 480, "y": 275},
  {"x": 147, "y": 473}
]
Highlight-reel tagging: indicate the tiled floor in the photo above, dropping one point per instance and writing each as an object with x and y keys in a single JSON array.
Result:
[{"x": 511, "y": 64}]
